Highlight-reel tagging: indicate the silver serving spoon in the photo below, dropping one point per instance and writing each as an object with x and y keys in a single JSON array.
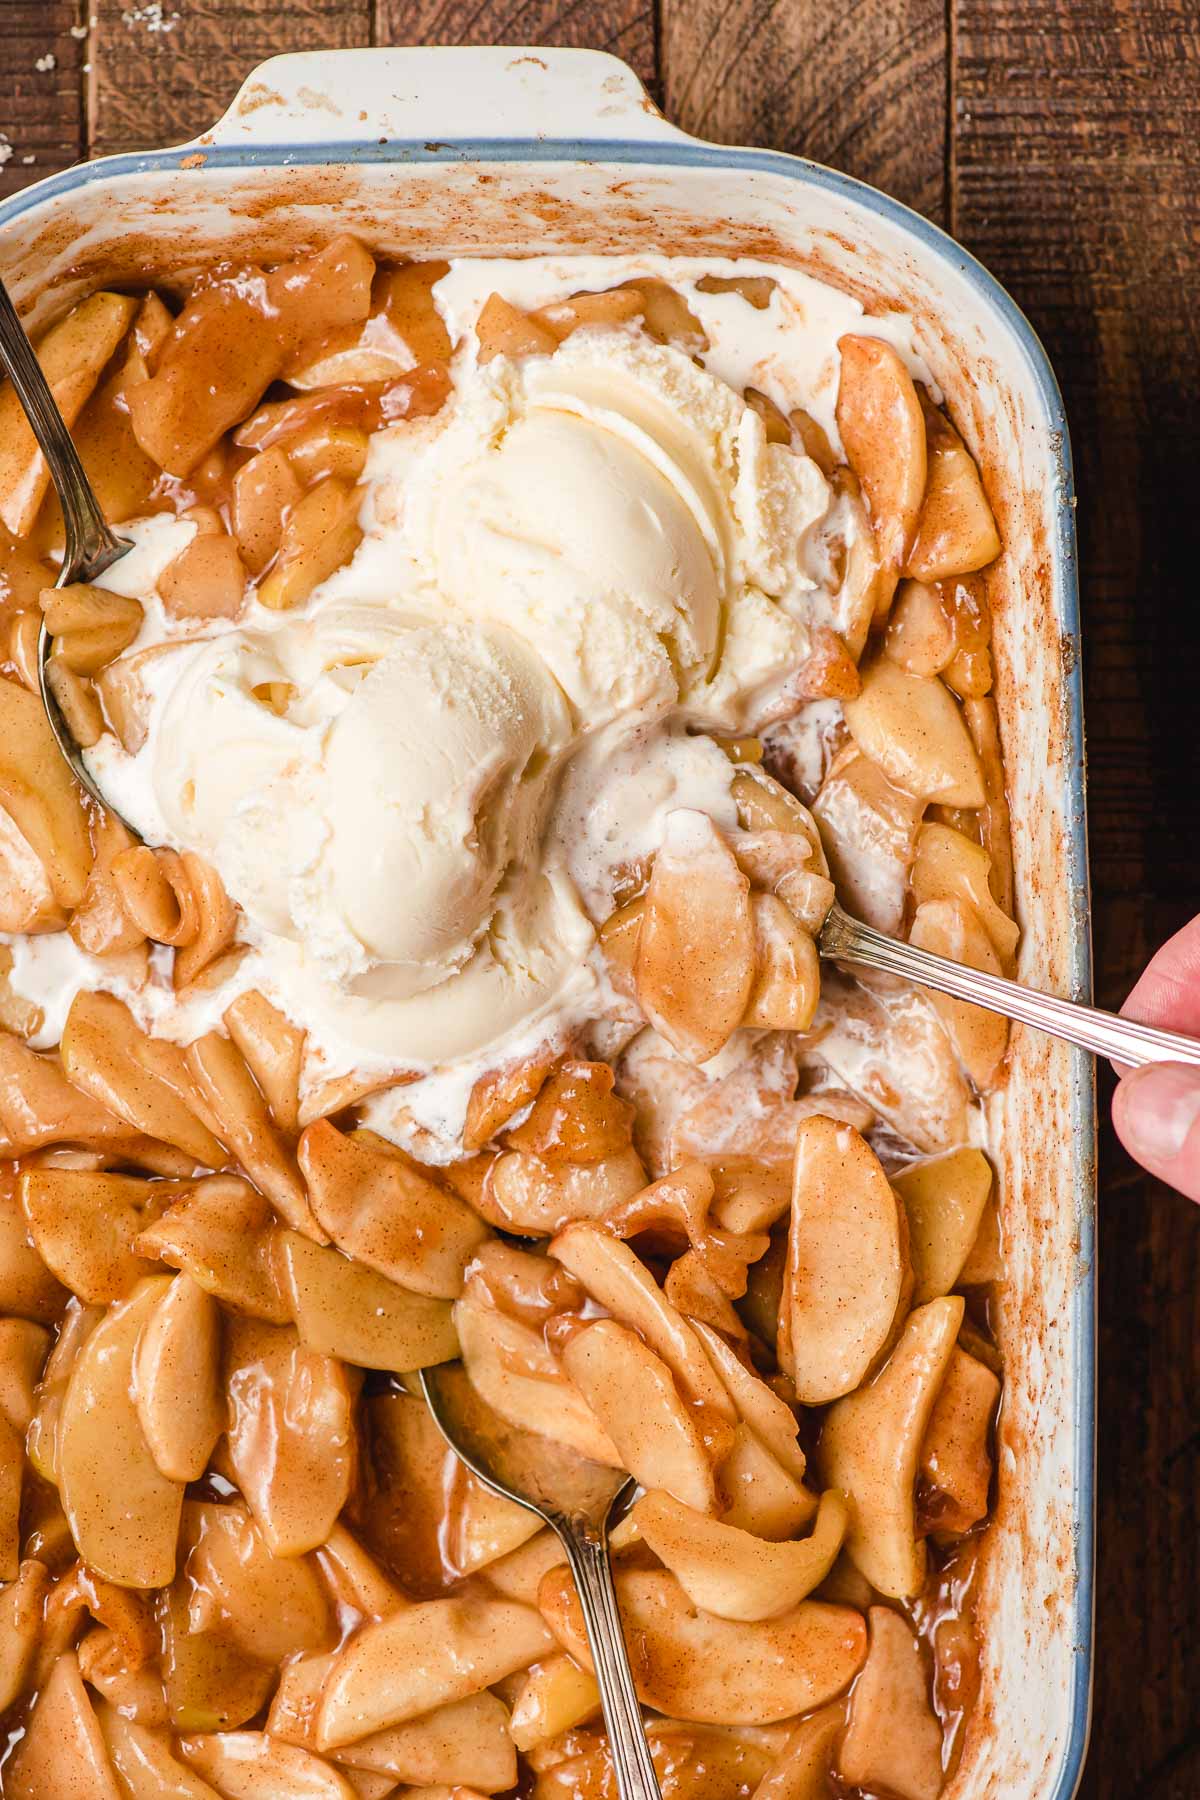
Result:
[
  {"x": 847, "y": 940},
  {"x": 576, "y": 1499},
  {"x": 93, "y": 547}
]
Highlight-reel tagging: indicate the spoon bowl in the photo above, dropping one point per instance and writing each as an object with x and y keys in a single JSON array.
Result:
[
  {"x": 91, "y": 544},
  {"x": 576, "y": 1499}
]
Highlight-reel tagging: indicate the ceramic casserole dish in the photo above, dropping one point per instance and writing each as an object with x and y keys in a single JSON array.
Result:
[{"x": 513, "y": 151}]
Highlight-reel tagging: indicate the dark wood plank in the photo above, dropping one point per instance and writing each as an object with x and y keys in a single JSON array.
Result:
[
  {"x": 1076, "y": 176},
  {"x": 163, "y": 72},
  {"x": 861, "y": 86},
  {"x": 41, "y": 73},
  {"x": 625, "y": 27}
]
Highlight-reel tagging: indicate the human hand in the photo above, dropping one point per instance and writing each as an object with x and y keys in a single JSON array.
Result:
[{"x": 1156, "y": 1109}]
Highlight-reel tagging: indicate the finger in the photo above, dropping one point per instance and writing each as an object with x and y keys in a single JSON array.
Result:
[
  {"x": 1167, "y": 993},
  {"x": 1156, "y": 1111}
]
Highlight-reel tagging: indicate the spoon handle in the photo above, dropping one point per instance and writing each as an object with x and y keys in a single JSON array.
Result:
[
  {"x": 91, "y": 546},
  {"x": 587, "y": 1553},
  {"x": 847, "y": 940}
]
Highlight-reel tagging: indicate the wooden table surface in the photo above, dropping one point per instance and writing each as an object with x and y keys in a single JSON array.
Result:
[{"x": 1060, "y": 141}]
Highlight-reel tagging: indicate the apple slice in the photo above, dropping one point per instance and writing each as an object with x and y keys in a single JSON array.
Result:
[
  {"x": 463, "y": 1744},
  {"x": 956, "y": 1464},
  {"x": 61, "y": 1751},
  {"x": 273, "y": 1049},
  {"x": 177, "y": 1380},
  {"x": 511, "y": 1367},
  {"x": 632, "y": 1394},
  {"x": 219, "y": 1231},
  {"x": 384, "y": 1212},
  {"x": 123, "y": 1511},
  {"x": 500, "y": 1094},
  {"x": 291, "y": 1433},
  {"x": 920, "y": 633},
  {"x": 846, "y": 1263},
  {"x": 761, "y": 1496},
  {"x": 693, "y": 1762},
  {"x": 72, "y": 355},
  {"x": 21, "y": 1611},
  {"x": 868, "y": 1035},
  {"x": 12, "y": 1460},
  {"x": 320, "y": 534},
  {"x": 24, "y": 1348},
  {"x": 344, "y": 1309},
  {"x": 211, "y": 1685},
  {"x": 27, "y": 1287},
  {"x": 869, "y": 827},
  {"x": 222, "y": 1078},
  {"x": 882, "y": 429},
  {"x": 355, "y": 1577},
  {"x": 83, "y": 1223},
  {"x": 40, "y": 795},
  {"x": 759, "y": 1406},
  {"x": 787, "y": 970},
  {"x": 893, "y": 1742},
  {"x": 615, "y": 1276},
  {"x": 576, "y": 1118},
  {"x": 781, "y": 863},
  {"x": 249, "y": 1765},
  {"x": 432, "y": 1653},
  {"x": 802, "y": 1772},
  {"x": 270, "y": 1606},
  {"x": 692, "y": 1665},
  {"x": 985, "y": 1259},
  {"x": 950, "y": 866},
  {"x": 957, "y": 532},
  {"x": 914, "y": 729},
  {"x": 944, "y": 1198},
  {"x": 870, "y": 1447},
  {"x": 145, "y": 1765},
  {"x": 950, "y": 928},
  {"x": 522, "y": 1194},
  {"x": 106, "y": 1055},
  {"x": 731, "y": 1573},
  {"x": 555, "y": 1697},
  {"x": 695, "y": 958}
]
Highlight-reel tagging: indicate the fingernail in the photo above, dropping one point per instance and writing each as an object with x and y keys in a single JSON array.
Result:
[{"x": 1159, "y": 1106}]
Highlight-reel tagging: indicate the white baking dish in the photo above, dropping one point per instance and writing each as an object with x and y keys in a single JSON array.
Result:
[{"x": 514, "y": 151}]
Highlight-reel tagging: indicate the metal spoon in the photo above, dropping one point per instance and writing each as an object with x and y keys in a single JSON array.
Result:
[
  {"x": 847, "y": 940},
  {"x": 92, "y": 546},
  {"x": 576, "y": 1499}
]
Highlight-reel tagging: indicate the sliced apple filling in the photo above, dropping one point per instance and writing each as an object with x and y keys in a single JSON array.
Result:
[{"x": 733, "y": 1239}]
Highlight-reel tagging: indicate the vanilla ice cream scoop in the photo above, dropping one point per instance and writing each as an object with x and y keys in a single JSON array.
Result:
[
  {"x": 622, "y": 511},
  {"x": 363, "y": 781},
  {"x": 570, "y": 535}
]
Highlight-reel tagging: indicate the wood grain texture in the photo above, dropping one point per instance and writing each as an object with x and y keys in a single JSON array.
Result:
[
  {"x": 860, "y": 85},
  {"x": 625, "y": 27},
  {"x": 1075, "y": 175},
  {"x": 41, "y": 94},
  {"x": 163, "y": 72}
]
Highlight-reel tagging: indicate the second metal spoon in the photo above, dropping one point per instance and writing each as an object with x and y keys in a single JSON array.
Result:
[
  {"x": 575, "y": 1498},
  {"x": 91, "y": 544}
]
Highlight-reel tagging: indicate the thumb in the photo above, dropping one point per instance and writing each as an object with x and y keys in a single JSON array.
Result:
[{"x": 1156, "y": 1111}]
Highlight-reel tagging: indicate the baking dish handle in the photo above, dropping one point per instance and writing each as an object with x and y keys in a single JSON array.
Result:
[{"x": 441, "y": 96}]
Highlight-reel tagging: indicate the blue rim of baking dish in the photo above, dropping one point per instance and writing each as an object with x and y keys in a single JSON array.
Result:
[{"x": 693, "y": 153}]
